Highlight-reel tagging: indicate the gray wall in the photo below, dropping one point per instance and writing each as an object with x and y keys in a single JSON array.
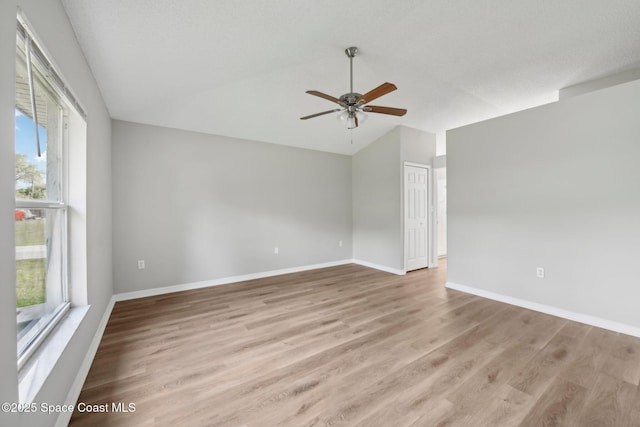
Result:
[
  {"x": 417, "y": 146},
  {"x": 8, "y": 330},
  {"x": 198, "y": 207},
  {"x": 556, "y": 187},
  {"x": 378, "y": 233},
  {"x": 440, "y": 175},
  {"x": 52, "y": 26},
  {"x": 377, "y": 202}
]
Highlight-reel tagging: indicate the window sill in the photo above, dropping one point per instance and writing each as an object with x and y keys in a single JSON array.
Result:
[{"x": 36, "y": 370}]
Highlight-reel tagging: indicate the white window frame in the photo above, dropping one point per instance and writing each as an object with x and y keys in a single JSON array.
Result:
[{"x": 31, "y": 344}]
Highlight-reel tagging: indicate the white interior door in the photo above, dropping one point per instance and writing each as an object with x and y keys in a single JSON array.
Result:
[{"x": 416, "y": 217}]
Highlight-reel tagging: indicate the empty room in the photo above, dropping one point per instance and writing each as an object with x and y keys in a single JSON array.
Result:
[{"x": 319, "y": 213}]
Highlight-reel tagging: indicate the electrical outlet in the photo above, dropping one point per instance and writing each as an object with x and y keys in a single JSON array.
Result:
[
  {"x": 340, "y": 243},
  {"x": 276, "y": 251},
  {"x": 540, "y": 273},
  {"x": 140, "y": 264}
]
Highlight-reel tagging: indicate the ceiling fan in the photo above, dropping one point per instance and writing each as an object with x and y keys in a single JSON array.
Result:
[{"x": 353, "y": 104}]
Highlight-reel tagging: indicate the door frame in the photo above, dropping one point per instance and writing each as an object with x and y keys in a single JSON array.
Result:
[{"x": 430, "y": 215}]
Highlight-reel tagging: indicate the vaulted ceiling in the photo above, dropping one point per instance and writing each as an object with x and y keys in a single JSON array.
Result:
[{"x": 240, "y": 68}]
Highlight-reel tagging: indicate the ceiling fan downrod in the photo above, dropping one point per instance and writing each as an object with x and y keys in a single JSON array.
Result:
[{"x": 351, "y": 53}]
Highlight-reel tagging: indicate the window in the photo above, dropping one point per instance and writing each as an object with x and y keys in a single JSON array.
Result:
[{"x": 43, "y": 108}]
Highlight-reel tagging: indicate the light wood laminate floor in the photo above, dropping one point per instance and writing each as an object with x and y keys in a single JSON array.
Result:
[{"x": 352, "y": 346}]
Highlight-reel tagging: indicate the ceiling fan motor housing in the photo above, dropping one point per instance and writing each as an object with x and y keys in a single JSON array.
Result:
[{"x": 350, "y": 100}]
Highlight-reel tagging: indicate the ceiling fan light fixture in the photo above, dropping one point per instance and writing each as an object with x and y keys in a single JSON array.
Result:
[
  {"x": 348, "y": 118},
  {"x": 351, "y": 121}
]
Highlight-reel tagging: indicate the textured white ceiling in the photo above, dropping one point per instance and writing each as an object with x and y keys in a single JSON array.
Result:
[{"x": 241, "y": 67}]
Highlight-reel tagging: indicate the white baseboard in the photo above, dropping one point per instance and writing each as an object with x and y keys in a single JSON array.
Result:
[
  {"x": 223, "y": 281},
  {"x": 554, "y": 311},
  {"x": 83, "y": 370},
  {"x": 379, "y": 267}
]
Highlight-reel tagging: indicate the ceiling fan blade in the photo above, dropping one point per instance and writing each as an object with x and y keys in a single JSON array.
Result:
[
  {"x": 325, "y": 96},
  {"x": 381, "y": 90},
  {"x": 320, "y": 114},
  {"x": 385, "y": 110}
]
